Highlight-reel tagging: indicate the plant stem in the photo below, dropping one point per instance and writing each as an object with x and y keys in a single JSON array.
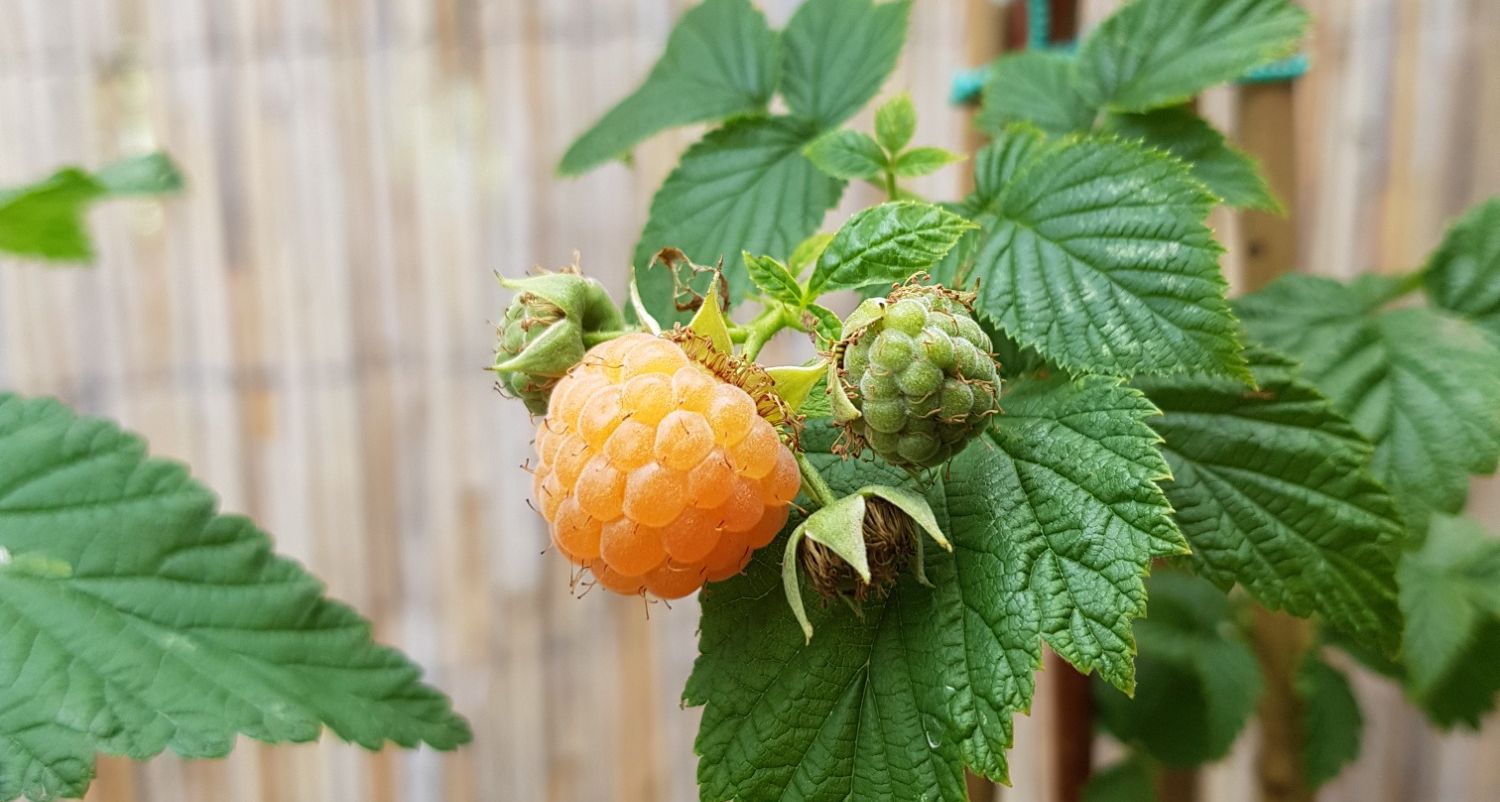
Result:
[
  {"x": 813, "y": 482},
  {"x": 760, "y": 330},
  {"x": 890, "y": 184},
  {"x": 1280, "y": 642}
]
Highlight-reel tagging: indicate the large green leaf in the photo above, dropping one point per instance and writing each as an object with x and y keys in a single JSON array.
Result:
[
  {"x": 1272, "y": 492},
  {"x": 885, "y": 244},
  {"x": 47, "y": 219},
  {"x": 721, "y": 61},
  {"x": 1331, "y": 720},
  {"x": 1230, "y": 173},
  {"x": 1053, "y": 523},
  {"x": 1464, "y": 274},
  {"x": 838, "y": 53},
  {"x": 1197, "y": 683},
  {"x": 1156, "y": 53},
  {"x": 1089, "y": 515},
  {"x": 134, "y": 618},
  {"x": 1450, "y": 593},
  {"x": 846, "y": 154},
  {"x": 1424, "y": 387},
  {"x": 744, "y": 187},
  {"x": 1095, "y": 253},
  {"x": 1037, "y": 87}
]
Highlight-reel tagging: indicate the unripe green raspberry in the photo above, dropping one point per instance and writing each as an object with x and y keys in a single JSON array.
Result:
[
  {"x": 918, "y": 369},
  {"x": 543, "y": 333}
]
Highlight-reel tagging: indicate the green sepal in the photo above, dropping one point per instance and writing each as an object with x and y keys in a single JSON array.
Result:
[
  {"x": 914, "y": 505},
  {"x": 795, "y": 382},
  {"x": 556, "y": 351},
  {"x": 639, "y": 307},
  {"x": 843, "y": 406},
  {"x": 709, "y": 320},
  {"x": 865, "y": 315},
  {"x": 579, "y": 297},
  {"x": 841, "y": 527}
]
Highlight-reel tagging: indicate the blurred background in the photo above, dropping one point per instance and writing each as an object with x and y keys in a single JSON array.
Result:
[{"x": 308, "y": 325}]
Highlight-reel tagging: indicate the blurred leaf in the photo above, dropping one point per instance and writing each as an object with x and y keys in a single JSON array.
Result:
[
  {"x": 846, "y": 154},
  {"x": 1034, "y": 87},
  {"x": 135, "y": 618},
  {"x": 1196, "y": 683},
  {"x": 924, "y": 161},
  {"x": 46, "y": 220},
  {"x": 721, "y": 61},
  {"x": 1331, "y": 721},
  {"x": 1127, "y": 781},
  {"x": 1423, "y": 386},
  {"x": 1154, "y": 53},
  {"x": 838, "y": 53},
  {"x": 1230, "y": 173},
  {"x": 1463, "y": 275},
  {"x": 895, "y": 122}
]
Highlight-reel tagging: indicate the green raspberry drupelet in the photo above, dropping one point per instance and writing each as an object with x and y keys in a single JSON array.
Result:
[{"x": 921, "y": 376}]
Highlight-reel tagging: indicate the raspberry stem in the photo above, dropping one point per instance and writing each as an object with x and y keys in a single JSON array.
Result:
[{"x": 813, "y": 482}]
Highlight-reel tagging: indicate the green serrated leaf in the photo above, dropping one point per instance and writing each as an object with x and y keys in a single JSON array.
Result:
[
  {"x": 923, "y": 161},
  {"x": 1197, "y": 685},
  {"x": 175, "y": 627},
  {"x": 824, "y": 323},
  {"x": 744, "y": 187},
  {"x": 884, "y": 244},
  {"x": 1230, "y": 173},
  {"x": 838, "y": 52},
  {"x": 1271, "y": 490},
  {"x": 895, "y": 122},
  {"x": 1422, "y": 386},
  {"x": 1463, "y": 275},
  {"x": 1450, "y": 593},
  {"x": 1095, "y": 254},
  {"x": 1086, "y": 466},
  {"x": 1034, "y": 87},
  {"x": 773, "y": 278},
  {"x": 1331, "y": 721},
  {"x": 846, "y": 154},
  {"x": 927, "y": 680},
  {"x": 1154, "y": 53},
  {"x": 721, "y": 61}
]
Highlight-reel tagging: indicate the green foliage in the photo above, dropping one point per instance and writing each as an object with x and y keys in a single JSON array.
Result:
[
  {"x": 1463, "y": 276},
  {"x": 1127, "y": 781},
  {"x": 721, "y": 61},
  {"x": 1331, "y": 720},
  {"x": 46, "y": 220},
  {"x": 1095, "y": 253},
  {"x": 1271, "y": 490},
  {"x": 926, "y": 681},
  {"x": 135, "y": 618},
  {"x": 838, "y": 52},
  {"x": 773, "y": 278},
  {"x": 1450, "y": 593},
  {"x": 732, "y": 193},
  {"x": 1154, "y": 53},
  {"x": 923, "y": 161},
  {"x": 847, "y": 154},
  {"x": 1231, "y": 174},
  {"x": 1421, "y": 385},
  {"x": 885, "y": 244},
  {"x": 895, "y": 123},
  {"x": 1197, "y": 683},
  {"x": 1035, "y": 87}
]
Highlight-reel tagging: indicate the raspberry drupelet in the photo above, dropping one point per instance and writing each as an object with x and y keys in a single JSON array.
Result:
[{"x": 657, "y": 474}]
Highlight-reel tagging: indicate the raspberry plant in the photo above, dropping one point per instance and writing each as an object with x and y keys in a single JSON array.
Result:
[{"x": 1046, "y": 395}]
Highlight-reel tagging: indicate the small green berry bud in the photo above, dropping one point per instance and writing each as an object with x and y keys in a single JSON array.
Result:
[{"x": 542, "y": 335}]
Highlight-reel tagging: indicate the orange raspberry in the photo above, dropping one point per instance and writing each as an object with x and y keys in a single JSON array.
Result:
[{"x": 657, "y": 474}]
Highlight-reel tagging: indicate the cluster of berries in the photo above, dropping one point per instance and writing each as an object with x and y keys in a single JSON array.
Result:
[{"x": 656, "y": 474}]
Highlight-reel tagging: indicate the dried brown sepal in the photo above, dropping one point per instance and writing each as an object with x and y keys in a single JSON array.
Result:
[
  {"x": 684, "y": 297},
  {"x": 744, "y": 374}
]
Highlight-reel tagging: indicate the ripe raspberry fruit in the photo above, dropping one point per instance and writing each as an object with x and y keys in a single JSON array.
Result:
[
  {"x": 921, "y": 376},
  {"x": 659, "y": 473}
]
